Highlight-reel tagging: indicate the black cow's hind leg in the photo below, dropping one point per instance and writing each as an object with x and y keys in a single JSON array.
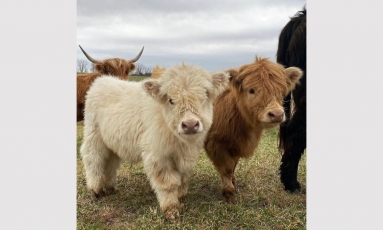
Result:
[{"x": 289, "y": 170}]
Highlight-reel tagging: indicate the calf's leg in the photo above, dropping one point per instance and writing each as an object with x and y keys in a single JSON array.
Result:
[
  {"x": 186, "y": 175},
  {"x": 225, "y": 165},
  {"x": 166, "y": 181},
  {"x": 94, "y": 154},
  {"x": 112, "y": 165}
]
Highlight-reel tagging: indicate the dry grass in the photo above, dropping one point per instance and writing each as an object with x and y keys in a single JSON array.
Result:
[{"x": 263, "y": 204}]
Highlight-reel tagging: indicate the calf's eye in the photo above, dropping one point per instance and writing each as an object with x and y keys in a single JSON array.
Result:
[
  {"x": 251, "y": 91},
  {"x": 171, "y": 101}
]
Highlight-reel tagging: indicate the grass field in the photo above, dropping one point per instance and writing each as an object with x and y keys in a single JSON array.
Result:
[
  {"x": 137, "y": 78},
  {"x": 262, "y": 202}
]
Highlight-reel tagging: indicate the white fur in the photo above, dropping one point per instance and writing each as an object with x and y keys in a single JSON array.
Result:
[{"x": 135, "y": 121}]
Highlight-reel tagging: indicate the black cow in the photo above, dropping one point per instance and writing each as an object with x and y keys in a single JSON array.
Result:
[{"x": 292, "y": 133}]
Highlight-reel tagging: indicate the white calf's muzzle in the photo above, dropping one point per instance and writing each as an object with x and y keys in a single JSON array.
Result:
[{"x": 190, "y": 126}]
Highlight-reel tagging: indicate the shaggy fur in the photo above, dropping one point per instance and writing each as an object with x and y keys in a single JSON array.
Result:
[
  {"x": 292, "y": 133},
  {"x": 157, "y": 71},
  {"x": 162, "y": 122},
  {"x": 252, "y": 103},
  {"x": 114, "y": 66}
]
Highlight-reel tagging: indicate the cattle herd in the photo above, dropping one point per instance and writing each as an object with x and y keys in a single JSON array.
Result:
[{"x": 166, "y": 120}]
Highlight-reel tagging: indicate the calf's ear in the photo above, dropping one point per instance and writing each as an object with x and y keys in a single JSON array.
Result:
[
  {"x": 293, "y": 74},
  {"x": 234, "y": 78},
  {"x": 233, "y": 74},
  {"x": 99, "y": 68},
  {"x": 220, "y": 82},
  {"x": 132, "y": 67},
  {"x": 152, "y": 88}
]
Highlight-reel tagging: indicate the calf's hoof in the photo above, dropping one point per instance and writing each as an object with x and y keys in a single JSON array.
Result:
[
  {"x": 172, "y": 213},
  {"x": 99, "y": 194},
  {"x": 104, "y": 193},
  {"x": 110, "y": 191},
  {"x": 229, "y": 197}
]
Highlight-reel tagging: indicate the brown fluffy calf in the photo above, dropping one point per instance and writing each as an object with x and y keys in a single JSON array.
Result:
[
  {"x": 252, "y": 103},
  {"x": 114, "y": 66}
]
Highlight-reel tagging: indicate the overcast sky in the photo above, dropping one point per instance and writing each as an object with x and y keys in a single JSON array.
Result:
[{"x": 213, "y": 34}]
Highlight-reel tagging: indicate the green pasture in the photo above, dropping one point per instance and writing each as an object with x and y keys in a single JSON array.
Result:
[
  {"x": 138, "y": 78},
  {"x": 262, "y": 202}
]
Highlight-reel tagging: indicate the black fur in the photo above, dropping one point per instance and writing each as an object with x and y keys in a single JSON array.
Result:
[{"x": 292, "y": 133}]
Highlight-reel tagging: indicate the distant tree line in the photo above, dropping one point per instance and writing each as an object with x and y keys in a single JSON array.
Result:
[
  {"x": 85, "y": 66},
  {"x": 142, "y": 70}
]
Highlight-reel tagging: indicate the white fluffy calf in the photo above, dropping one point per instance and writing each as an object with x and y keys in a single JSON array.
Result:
[{"x": 160, "y": 121}]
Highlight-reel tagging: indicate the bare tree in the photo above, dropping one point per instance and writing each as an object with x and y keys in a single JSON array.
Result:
[
  {"x": 148, "y": 71},
  {"x": 82, "y": 66},
  {"x": 142, "y": 70},
  {"x": 138, "y": 70},
  {"x": 91, "y": 67}
]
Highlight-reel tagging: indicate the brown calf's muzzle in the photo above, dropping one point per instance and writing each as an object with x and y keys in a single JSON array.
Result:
[{"x": 276, "y": 115}]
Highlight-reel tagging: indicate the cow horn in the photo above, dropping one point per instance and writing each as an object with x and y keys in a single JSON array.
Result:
[
  {"x": 138, "y": 56},
  {"x": 89, "y": 57}
]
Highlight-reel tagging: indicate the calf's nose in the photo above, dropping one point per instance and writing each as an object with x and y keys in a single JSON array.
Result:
[
  {"x": 276, "y": 115},
  {"x": 190, "y": 126}
]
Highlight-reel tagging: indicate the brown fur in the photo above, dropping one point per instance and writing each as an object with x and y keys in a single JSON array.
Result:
[
  {"x": 157, "y": 71},
  {"x": 243, "y": 112},
  {"x": 114, "y": 66}
]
